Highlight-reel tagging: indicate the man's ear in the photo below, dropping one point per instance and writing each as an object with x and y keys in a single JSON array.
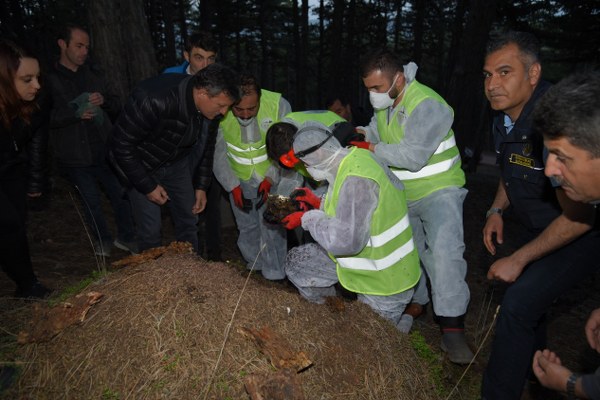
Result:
[
  {"x": 535, "y": 73},
  {"x": 62, "y": 44},
  {"x": 186, "y": 55}
]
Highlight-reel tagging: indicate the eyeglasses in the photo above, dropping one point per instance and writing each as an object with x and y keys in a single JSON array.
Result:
[{"x": 291, "y": 159}]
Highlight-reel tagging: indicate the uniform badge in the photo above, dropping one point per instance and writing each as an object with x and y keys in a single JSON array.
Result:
[
  {"x": 527, "y": 149},
  {"x": 521, "y": 160}
]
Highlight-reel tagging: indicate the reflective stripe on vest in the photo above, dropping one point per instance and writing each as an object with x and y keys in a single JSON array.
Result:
[
  {"x": 443, "y": 169},
  {"x": 246, "y": 158},
  {"x": 389, "y": 263}
]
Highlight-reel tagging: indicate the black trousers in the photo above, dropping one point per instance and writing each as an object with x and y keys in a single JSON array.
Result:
[{"x": 14, "y": 250}]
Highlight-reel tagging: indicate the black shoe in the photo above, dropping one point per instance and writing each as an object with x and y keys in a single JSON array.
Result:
[
  {"x": 214, "y": 257},
  {"x": 35, "y": 291}
]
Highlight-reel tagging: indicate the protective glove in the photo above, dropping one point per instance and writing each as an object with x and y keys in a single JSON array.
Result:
[
  {"x": 362, "y": 145},
  {"x": 293, "y": 220},
  {"x": 263, "y": 192},
  {"x": 306, "y": 199},
  {"x": 240, "y": 201}
]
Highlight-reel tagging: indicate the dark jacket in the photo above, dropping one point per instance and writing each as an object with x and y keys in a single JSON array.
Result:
[
  {"x": 23, "y": 151},
  {"x": 76, "y": 142},
  {"x": 521, "y": 159},
  {"x": 158, "y": 126}
]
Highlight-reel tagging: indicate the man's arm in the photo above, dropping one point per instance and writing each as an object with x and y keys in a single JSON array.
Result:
[
  {"x": 221, "y": 167},
  {"x": 575, "y": 220},
  {"x": 424, "y": 130},
  {"x": 349, "y": 231},
  {"x": 494, "y": 224}
]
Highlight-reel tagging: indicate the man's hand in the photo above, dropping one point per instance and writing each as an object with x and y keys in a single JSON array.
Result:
[
  {"x": 88, "y": 114},
  {"x": 306, "y": 199},
  {"x": 549, "y": 370},
  {"x": 238, "y": 199},
  {"x": 96, "y": 99},
  {"x": 200, "y": 202},
  {"x": 263, "y": 192},
  {"x": 493, "y": 225},
  {"x": 592, "y": 330},
  {"x": 293, "y": 220},
  {"x": 158, "y": 195},
  {"x": 506, "y": 269}
]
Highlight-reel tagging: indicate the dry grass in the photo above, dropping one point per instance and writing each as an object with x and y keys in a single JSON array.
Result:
[{"x": 161, "y": 328}]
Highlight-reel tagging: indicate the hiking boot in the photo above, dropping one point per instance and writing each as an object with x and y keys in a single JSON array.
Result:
[
  {"x": 35, "y": 291},
  {"x": 131, "y": 247},
  {"x": 455, "y": 344}
]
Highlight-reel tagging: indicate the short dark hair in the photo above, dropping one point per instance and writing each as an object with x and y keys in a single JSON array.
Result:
[
  {"x": 216, "y": 79},
  {"x": 203, "y": 40},
  {"x": 381, "y": 59},
  {"x": 67, "y": 30},
  {"x": 332, "y": 97},
  {"x": 528, "y": 44},
  {"x": 249, "y": 84},
  {"x": 280, "y": 138},
  {"x": 570, "y": 110}
]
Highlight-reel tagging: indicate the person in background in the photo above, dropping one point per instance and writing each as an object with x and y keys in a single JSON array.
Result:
[
  {"x": 23, "y": 142},
  {"x": 83, "y": 107},
  {"x": 153, "y": 141},
  {"x": 559, "y": 246},
  {"x": 568, "y": 117},
  {"x": 201, "y": 51},
  {"x": 244, "y": 170},
  {"x": 361, "y": 229},
  {"x": 340, "y": 105},
  {"x": 411, "y": 132}
]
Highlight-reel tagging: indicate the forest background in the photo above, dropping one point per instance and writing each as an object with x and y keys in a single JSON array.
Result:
[{"x": 309, "y": 49}]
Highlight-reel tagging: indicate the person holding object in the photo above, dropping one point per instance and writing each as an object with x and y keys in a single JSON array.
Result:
[
  {"x": 361, "y": 227},
  {"x": 242, "y": 167}
]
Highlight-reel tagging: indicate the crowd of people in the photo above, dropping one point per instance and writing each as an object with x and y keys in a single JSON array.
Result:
[{"x": 378, "y": 203}]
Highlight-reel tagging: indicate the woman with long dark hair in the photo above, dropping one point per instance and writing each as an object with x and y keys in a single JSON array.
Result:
[{"x": 23, "y": 143}]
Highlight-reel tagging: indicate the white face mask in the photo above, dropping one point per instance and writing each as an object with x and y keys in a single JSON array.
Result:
[
  {"x": 245, "y": 122},
  {"x": 381, "y": 101},
  {"x": 321, "y": 172}
]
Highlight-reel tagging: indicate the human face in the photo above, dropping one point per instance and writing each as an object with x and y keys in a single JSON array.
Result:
[
  {"x": 341, "y": 110},
  {"x": 211, "y": 106},
  {"x": 247, "y": 107},
  {"x": 27, "y": 78},
  {"x": 575, "y": 169},
  {"x": 508, "y": 83},
  {"x": 199, "y": 59},
  {"x": 379, "y": 81},
  {"x": 74, "y": 53}
]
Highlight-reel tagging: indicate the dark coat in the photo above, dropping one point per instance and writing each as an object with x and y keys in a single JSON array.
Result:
[
  {"x": 158, "y": 126},
  {"x": 23, "y": 151},
  {"x": 76, "y": 142},
  {"x": 521, "y": 159}
]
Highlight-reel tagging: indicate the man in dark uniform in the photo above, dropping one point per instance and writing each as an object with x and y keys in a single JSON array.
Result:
[{"x": 560, "y": 247}]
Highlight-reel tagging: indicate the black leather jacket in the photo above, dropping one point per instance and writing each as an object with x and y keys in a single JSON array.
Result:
[
  {"x": 23, "y": 149},
  {"x": 158, "y": 126}
]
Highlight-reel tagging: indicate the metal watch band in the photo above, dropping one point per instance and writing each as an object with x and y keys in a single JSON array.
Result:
[
  {"x": 571, "y": 386},
  {"x": 493, "y": 210}
]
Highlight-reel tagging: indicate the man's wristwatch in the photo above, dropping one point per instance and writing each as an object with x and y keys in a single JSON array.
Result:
[
  {"x": 493, "y": 210},
  {"x": 571, "y": 386}
]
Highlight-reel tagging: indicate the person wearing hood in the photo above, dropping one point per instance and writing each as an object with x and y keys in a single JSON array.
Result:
[
  {"x": 411, "y": 133},
  {"x": 242, "y": 167},
  {"x": 361, "y": 227}
]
